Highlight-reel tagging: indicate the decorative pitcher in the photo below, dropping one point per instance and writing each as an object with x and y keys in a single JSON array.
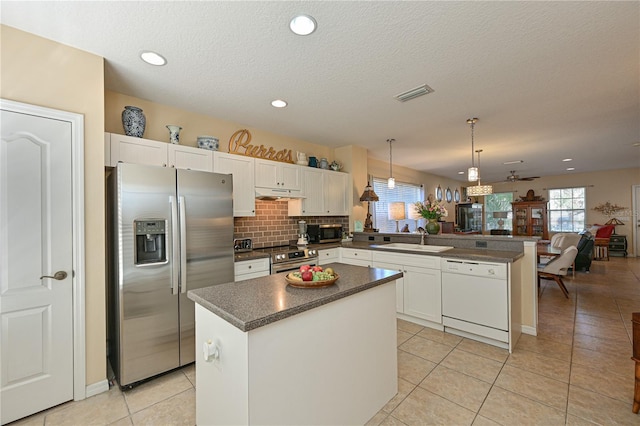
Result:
[{"x": 302, "y": 158}]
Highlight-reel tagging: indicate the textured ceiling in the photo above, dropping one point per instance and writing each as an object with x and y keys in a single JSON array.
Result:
[{"x": 548, "y": 80}]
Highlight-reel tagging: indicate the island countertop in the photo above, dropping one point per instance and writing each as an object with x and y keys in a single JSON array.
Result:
[{"x": 254, "y": 303}]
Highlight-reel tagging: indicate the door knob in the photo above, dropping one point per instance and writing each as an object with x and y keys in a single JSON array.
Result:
[{"x": 60, "y": 275}]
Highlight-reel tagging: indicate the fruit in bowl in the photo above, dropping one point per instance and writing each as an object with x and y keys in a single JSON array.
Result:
[{"x": 312, "y": 273}]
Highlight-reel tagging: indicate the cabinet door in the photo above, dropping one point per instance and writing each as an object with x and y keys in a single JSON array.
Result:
[
  {"x": 242, "y": 169},
  {"x": 399, "y": 283},
  {"x": 423, "y": 293},
  {"x": 335, "y": 193},
  {"x": 537, "y": 221},
  {"x": 129, "y": 149},
  {"x": 313, "y": 190},
  {"x": 186, "y": 157},
  {"x": 290, "y": 176},
  {"x": 267, "y": 174},
  {"x": 328, "y": 256}
]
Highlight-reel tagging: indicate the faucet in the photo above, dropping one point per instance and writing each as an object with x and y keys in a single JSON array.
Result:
[{"x": 422, "y": 237}]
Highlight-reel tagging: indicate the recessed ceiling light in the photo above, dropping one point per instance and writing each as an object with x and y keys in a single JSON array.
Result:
[
  {"x": 461, "y": 173},
  {"x": 279, "y": 103},
  {"x": 567, "y": 159},
  {"x": 152, "y": 58},
  {"x": 414, "y": 93},
  {"x": 303, "y": 25},
  {"x": 571, "y": 168},
  {"x": 513, "y": 162},
  {"x": 636, "y": 144}
]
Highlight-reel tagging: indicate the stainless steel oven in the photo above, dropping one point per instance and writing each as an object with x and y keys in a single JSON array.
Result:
[
  {"x": 292, "y": 265},
  {"x": 287, "y": 258}
]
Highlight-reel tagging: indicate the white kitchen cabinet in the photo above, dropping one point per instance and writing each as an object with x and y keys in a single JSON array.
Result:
[
  {"x": 422, "y": 283},
  {"x": 277, "y": 175},
  {"x": 254, "y": 268},
  {"x": 336, "y": 193},
  {"x": 187, "y": 157},
  {"x": 129, "y": 149},
  {"x": 242, "y": 169},
  {"x": 356, "y": 257},
  {"x": 399, "y": 283},
  {"x": 326, "y": 194},
  {"x": 328, "y": 255}
]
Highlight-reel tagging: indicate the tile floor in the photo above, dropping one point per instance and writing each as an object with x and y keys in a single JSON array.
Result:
[{"x": 577, "y": 371}]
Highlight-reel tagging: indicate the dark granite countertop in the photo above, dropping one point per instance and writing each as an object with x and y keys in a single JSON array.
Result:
[
  {"x": 253, "y": 303},
  {"x": 500, "y": 256}
]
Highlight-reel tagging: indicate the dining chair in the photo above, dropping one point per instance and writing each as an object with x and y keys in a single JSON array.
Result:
[{"x": 558, "y": 267}]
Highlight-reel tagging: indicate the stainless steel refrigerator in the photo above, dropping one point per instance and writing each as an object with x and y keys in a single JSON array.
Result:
[{"x": 170, "y": 231}]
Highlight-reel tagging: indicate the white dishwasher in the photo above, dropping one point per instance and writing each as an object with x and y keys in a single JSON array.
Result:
[{"x": 475, "y": 298}]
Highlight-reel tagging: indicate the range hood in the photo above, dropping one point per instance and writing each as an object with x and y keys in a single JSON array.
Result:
[{"x": 277, "y": 194}]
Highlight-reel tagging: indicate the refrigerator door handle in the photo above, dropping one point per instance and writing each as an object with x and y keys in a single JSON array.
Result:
[
  {"x": 183, "y": 246},
  {"x": 175, "y": 255}
]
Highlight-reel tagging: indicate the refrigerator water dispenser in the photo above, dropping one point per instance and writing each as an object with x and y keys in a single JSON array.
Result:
[{"x": 150, "y": 241}]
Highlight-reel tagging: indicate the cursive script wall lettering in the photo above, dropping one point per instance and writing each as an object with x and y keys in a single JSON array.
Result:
[{"x": 239, "y": 144}]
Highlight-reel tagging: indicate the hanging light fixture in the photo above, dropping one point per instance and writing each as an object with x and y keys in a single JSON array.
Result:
[
  {"x": 391, "y": 182},
  {"x": 472, "y": 173},
  {"x": 479, "y": 189}
]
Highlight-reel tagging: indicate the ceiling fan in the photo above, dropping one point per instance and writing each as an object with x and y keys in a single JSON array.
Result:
[{"x": 513, "y": 177}]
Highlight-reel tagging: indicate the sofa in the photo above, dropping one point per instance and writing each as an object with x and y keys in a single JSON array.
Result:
[{"x": 585, "y": 251}]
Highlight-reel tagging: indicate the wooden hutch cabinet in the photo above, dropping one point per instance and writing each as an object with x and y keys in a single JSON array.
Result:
[{"x": 530, "y": 219}]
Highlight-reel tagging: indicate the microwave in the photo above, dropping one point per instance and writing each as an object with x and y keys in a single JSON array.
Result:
[{"x": 320, "y": 234}]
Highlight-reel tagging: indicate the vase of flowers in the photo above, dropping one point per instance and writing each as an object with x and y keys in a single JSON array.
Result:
[{"x": 432, "y": 211}]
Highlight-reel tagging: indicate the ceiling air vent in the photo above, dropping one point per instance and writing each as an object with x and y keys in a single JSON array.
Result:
[{"x": 414, "y": 93}]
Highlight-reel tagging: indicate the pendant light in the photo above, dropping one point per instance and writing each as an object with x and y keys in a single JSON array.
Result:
[
  {"x": 391, "y": 182},
  {"x": 479, "y": 189},
  {"x": 472, "y": 173}
]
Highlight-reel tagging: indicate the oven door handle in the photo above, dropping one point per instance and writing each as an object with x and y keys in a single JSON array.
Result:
[{"x": 292, "y": 266}]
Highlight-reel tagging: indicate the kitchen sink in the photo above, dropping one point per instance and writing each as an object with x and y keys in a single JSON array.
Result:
[{"x": 414, "y": 247}]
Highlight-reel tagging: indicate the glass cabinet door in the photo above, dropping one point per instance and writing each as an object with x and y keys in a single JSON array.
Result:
[
  {"x": 521, "y": 226},
  {"x": 537, "y": 222}
]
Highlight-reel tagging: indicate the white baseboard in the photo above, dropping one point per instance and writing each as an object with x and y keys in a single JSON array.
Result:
[
  {"x": 525, "y": 329},
  {"x": 96, "y": 388}
]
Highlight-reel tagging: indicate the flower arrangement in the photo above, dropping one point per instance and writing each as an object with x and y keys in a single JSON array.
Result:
[{"x": 430, "y": 209}]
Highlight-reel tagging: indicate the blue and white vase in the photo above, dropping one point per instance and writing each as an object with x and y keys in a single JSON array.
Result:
[
  {"x": 133, "y": 121},
  {"x": 174, "y": 133}
]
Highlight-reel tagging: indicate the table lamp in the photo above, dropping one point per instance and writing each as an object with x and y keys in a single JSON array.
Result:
[
  {"x": 500, "y": 216},
  {"x": 413, "y": 214},
  {"x": 397, "y": 212},
  {"x": 368, "y": 195},
  {"x": 614, "y": 222}
]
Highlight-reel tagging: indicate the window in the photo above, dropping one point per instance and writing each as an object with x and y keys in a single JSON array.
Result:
[
  {"x": 498, "y": 209},
  {"x": 406, "y": 192},
  {"x": 566, "y": 209}
]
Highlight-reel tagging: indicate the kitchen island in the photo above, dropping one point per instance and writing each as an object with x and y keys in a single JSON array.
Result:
[{"x": 270, "y": 353}]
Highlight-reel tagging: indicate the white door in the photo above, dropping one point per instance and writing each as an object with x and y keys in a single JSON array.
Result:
[
  {"x": 36, "y": 240},
  {"x": 636, "y": 218}
]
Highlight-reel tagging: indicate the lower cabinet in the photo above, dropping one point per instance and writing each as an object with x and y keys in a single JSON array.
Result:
[
  {"x": 254, "y": 268},
  {"x": 357, "y": 257},
  {"x": 328, "y": 255},
  {"x": 421, "y": 291}
]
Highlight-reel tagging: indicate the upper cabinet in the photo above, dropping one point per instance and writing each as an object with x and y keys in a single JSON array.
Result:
[
  {"x": 326, "y": 194},
  {"x": 277, "y": 175},
  {"x": 129, "y": 149},
  {"x": 242, "y": 169},
  {"x": 186, "y": 157}
]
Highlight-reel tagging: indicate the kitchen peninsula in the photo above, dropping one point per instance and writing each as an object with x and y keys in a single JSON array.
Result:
[{"x": 270, "y": 353}]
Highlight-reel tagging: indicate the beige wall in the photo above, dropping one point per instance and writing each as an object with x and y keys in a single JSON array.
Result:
[
  {"x": 193, "y": 125},
  {"x": 380, "y": 169},
  {"x": 614, "y": 186},
  {"x": 41, "y": 72}
]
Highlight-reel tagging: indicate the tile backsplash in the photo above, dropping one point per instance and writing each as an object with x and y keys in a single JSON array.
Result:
[{"x": 272, "y": 226}]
